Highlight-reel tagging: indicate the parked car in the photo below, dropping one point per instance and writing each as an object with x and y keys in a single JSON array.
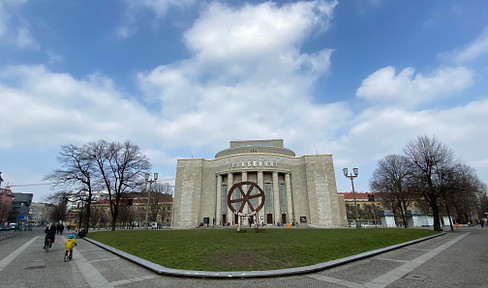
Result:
[{"x": 6, "y": 228}]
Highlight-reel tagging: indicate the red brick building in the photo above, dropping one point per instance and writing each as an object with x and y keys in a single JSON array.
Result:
[{"x": 6, "y": 197}]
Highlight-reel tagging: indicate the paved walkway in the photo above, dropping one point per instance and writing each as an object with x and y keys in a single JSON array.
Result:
[{"x": 455, "y": 259}]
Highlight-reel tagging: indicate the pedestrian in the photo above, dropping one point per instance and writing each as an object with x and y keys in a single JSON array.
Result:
[
  {"x": 482, "y": 222},
  {"x": 61, "y": 229},
  {"x": 81, "y": 233}
]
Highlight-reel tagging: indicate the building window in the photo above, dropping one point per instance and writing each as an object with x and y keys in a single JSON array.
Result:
[
  {"x": 254, "y": 201},
  {"x": 267, "y": 195},
  {"x": 282, "y": 198},
  {"x": 224, "y": 198},
  {"x": 236, "y": 194}
]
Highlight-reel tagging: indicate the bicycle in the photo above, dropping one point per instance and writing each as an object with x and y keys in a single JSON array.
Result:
[
  {"x": 68, "y": 255},
  {"x": 47, "y": 244},
  {"x": 68, "y": 246}
]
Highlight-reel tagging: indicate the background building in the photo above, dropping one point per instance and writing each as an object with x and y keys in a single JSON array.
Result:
[
  {"x": 298, "y": 190},
  {"x": 132, "y": 211},
  {"x": 374, "y": 212},
  {"x": 41, "y": 213},
  {"x": 20, "y": 207},
  {"x": 6, "y": 197}
]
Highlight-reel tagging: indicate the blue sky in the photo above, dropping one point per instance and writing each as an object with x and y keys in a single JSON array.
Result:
[{"x": 180, "y": 78}]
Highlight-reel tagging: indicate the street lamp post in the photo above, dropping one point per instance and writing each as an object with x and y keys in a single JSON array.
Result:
[
  {"x": 351, "y": 176},
  {"x": 150, "y": 181}
]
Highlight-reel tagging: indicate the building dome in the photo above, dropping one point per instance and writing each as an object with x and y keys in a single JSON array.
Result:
[{"x": 274, "y": 146}]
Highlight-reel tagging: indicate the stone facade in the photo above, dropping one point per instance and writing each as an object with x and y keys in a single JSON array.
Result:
[{"x": 298, "y": 190}]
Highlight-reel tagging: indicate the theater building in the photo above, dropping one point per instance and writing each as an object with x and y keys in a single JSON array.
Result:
[{"x": 299, "y": 189}]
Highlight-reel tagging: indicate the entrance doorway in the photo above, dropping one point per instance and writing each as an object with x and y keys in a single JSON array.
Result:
[
  {"x": 283, "y": 218},
  {"x": 269, "y": 218},
  {"x": 224, "y": 219}
]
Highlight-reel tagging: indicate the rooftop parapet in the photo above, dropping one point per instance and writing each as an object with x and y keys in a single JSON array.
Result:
[{"x": 273, "y": 146}]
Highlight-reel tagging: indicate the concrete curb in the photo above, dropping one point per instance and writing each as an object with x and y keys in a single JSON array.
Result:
[
  {"x": 253, "y": 274},
  {"x": 8, "y": 234}
]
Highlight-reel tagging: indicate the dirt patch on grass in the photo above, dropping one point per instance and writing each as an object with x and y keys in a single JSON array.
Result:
[{"x": 249, "y": 260}]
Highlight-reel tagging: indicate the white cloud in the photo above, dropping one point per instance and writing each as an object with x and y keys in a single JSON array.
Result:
[
  {"x": 382, "y": 130},
  {"x": 250, "y": 32},
  {"x": 409, "y": 89},
  {"x": 125, "y": 31},
  {"x": 4, "y": 17},
  {"x": 52, "y": 109},
  {"x": 247, "y": 77},
  {"x": 54, "y": 57},
  {"x": 159, "y": 7},
  {"x": 14, "y": 30},
  {"x": 24, "y": 39},
  {"x": 472, "y": 51}
]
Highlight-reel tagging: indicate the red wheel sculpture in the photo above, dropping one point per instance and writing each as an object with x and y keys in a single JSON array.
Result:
[{"x": 245, "y": 197}]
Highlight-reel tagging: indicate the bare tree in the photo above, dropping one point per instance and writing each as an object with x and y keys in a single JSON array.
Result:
[
  {"x": 121, "y": 168},
  {"x": 60, "y": 201},
  {"x": 154, "y": 205},
  {"x": 78, "y": 172},
  {"x": 392, "y": 180},
  {"x": 483, "y": 207},
  {"x": 95, "y": 214},
  {"x": 159, "y": 192},
  {"x": 431, "y": 159},
  {"x": 126, "y": 213},
  {"x": 166, "y": 188},
  {"x": 465, "y": 192},
  {"x": 115, "y": 166},
  {"x": 430, "y": 176}
]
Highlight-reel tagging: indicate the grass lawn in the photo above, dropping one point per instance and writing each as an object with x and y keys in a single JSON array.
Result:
[{"x": 226, "y": 250}]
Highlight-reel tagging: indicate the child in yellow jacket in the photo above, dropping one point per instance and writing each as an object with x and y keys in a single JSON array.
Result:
[{"x": 69, "y": 245}]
